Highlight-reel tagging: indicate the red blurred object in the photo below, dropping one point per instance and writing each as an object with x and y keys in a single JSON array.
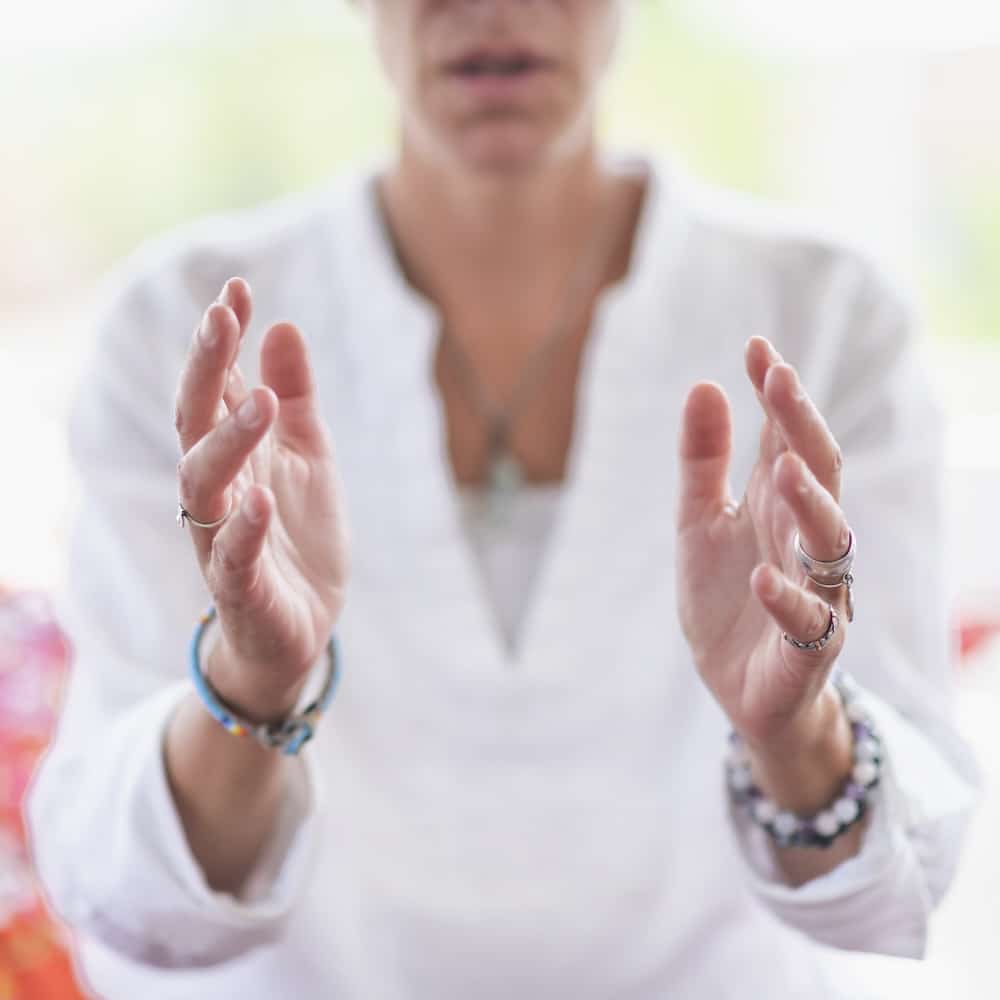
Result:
[
  {"x": 34, "y": 655},
  {"x": 973, "y": 635},
  {"x": 34, "y": 962},
  {"x": 35, "y": 959}
]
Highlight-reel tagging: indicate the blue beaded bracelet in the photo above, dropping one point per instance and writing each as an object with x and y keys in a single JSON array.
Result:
[
  {"x": 289, "y": 735},
  {"x": 790, "y": 830}
]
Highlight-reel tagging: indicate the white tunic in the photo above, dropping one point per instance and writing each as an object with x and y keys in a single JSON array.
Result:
[
  {"x": 510, "y": 549},
  {"x": 477, "y": 822}
]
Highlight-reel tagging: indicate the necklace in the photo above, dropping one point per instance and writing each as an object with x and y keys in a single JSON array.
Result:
[{"x": 505, "y": 471}]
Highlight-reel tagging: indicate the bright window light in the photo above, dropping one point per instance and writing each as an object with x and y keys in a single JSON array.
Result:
[{"x": 815, "y": 24}]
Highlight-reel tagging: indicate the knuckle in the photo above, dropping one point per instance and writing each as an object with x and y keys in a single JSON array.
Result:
[
  {"x": 180, "y": 420},
  {"x": 227, "y": 562},
  {"x": 819, "y": 619},
  {"x": 229, "y": 596},
  {"x": 185, "y": 480},
  {"x": 843, "y": 537}
]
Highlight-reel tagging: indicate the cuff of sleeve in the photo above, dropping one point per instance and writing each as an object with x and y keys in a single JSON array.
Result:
[
  {"x": 877, "y": 900},
  {"x": 183, "y": 920}
]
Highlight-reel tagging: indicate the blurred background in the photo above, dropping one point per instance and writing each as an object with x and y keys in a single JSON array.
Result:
[{"x": 877, "y": 118}]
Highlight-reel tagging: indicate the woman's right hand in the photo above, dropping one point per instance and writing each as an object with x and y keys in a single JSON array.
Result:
[{"x": 277, "y": 567}]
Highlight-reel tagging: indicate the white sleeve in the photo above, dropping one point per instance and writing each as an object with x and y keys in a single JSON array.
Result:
[
  {"x": 874, "y": 393},
  {"x": 880, "y": 900},
  {"x": 106, "y": 838}
]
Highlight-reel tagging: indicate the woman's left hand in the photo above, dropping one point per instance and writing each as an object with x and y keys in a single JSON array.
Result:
[{"x": 740, "y": 585}]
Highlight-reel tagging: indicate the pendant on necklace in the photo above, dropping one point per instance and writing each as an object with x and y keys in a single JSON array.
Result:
[{"x": 505, "y": 477}]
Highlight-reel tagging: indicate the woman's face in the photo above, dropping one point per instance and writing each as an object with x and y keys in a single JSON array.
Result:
[{"x": 495, "y": 85}]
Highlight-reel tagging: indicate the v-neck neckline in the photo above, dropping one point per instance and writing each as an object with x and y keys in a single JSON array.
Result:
[
  {"x": 509, "y": 551},
  {"x": 471, "y": 614}
]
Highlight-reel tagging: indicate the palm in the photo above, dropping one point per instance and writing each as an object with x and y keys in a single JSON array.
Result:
[
  {"x": 298, "y": 592},
  {"x": 717, "y": 554},
  {"x": 303, "y": 563},
  {"x": 739, "y": 584}
]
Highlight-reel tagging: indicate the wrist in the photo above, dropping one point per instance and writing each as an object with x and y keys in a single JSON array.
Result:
[
  {"x": 256, "y": 697},
  {"x": 807, "y": 765}
]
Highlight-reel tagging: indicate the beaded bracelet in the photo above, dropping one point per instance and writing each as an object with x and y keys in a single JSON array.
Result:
[
  {"x": 288, "y": 735},
  {"x": 848, "y": 808}
]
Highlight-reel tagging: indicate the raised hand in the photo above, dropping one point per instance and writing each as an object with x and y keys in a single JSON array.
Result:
[
  {"x": 741, "y": 588},
  {"x": 277, "y": 566}
]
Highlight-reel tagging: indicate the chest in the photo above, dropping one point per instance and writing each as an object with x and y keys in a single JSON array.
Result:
[
  {"x": 527, "y": 378},
  {"x": 606, "y": 425}
]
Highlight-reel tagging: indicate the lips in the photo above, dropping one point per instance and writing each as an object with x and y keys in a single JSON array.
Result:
[
  {"x": 494, "y": 79},
  {"x": 497, "y": 63}
]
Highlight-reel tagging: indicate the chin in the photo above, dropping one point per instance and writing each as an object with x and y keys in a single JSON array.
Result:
[
  {"x": 509, "y": 149},
  {"x": 503, "y": 151}
]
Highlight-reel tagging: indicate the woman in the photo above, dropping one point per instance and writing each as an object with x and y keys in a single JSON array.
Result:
[{"x": 517, "y": 789}]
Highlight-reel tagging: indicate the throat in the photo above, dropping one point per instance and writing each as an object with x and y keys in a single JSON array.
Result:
[{"x": 493, "y": 240}]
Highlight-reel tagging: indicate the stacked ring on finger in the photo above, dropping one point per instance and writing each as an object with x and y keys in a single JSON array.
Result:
[
  {"x": 814, "y": 645},
  {"x": 830, "y": 575}
]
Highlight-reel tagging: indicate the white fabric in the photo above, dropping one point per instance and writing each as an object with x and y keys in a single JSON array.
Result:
[
  {"x": 509, "y": 545},
  {"x": 475, "y": 822}
]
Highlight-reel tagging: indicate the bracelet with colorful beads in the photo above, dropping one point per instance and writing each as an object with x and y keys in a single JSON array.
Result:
[
  {"x": 791, "y": 830},
  {"x": 289, "y": 735}
]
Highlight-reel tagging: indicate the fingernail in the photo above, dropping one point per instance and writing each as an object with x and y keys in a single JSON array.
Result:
[
  {"x": 772, "y": 353},
  {"x": 247, "y": 413},
  {"x": 226, "y": 298},
  {"x": 207, "y": 332},
  {"x": 803, "y": 477},
  {"x": 772, "y": 585}
]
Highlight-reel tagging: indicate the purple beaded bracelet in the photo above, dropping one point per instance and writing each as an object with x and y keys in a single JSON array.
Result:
[{"x": 847, "y": 809}]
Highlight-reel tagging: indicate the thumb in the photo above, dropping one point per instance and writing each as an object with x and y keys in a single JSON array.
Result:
[
  {"x": 705, "y": 449},
  {"x": 284, "y": 366}
]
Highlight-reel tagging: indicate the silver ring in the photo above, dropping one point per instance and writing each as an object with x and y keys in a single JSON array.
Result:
[
  {"x": 184, "y": 516},
  {"x": 826, "y": 574},
  {"x": 830, "y": 575},
  {"x": 817, "y": 644}
]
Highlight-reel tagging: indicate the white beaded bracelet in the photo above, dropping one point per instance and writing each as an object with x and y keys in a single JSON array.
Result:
[{"x": 791, "y": 830}]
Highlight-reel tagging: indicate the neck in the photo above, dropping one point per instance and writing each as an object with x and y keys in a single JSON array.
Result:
[{"x": 486, "y": 239}]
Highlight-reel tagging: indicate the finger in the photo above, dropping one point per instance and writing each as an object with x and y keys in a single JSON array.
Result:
[
  {"x": 236, "y": 294},
  {"x": 802, "y": 425},
  {"x": 759, "y": 355},
  {"x": 284, "y": 366},
  {"x": 236, "y": 550},
  {"x": 705, "y": 448},
  {"x": 798, "y": 612},
  {"x": 236, "y": 393},
  {"x": 203, "y": 379},
  {"x": 821, "y": 523},
  {"x": 236, "y": 388},
  {"x": 772, "y": 444},
  {"x": 207, "y": 471}
]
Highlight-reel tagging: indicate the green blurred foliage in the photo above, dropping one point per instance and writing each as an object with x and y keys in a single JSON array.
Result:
[
  {"x": 151, "y": 137},
  {"x": 719, "y": 106},
  {"x": 128, "y": 143},
  {"x": 965, "y": 283}
]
